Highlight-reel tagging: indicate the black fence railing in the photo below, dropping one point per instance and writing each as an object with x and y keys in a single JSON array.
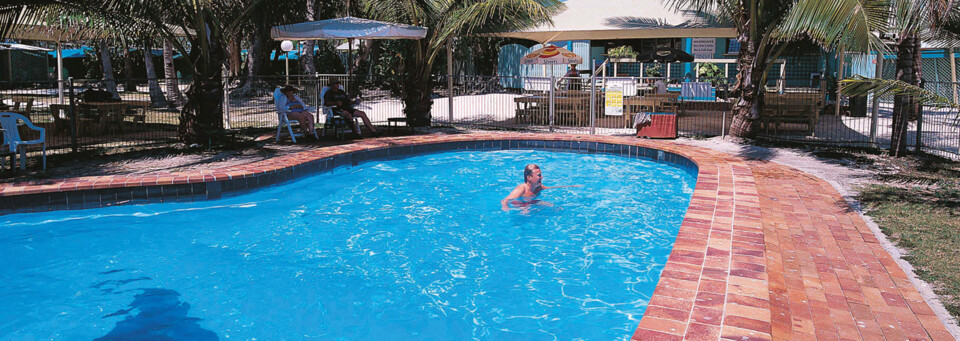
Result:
[{"x": 141, "y": 115}]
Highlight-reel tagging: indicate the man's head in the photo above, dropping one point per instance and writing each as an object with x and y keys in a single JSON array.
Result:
[
  {"x": 532, "y": 173},
  {"x": 334, "y": 83}
]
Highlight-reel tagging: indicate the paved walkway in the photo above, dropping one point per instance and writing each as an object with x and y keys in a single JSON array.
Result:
[{"x": 765, "y": 252}]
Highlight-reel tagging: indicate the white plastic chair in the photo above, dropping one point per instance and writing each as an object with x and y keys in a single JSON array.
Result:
[
  {"x": 12, "y": 141},
  {"x": 279, "y": 101},
  {"x": 331, "y": 118}
]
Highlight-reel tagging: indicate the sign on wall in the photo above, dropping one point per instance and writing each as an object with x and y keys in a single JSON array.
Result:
[
  {"x": 614, "y": 100},
  {"x": 703, "y": 48}
]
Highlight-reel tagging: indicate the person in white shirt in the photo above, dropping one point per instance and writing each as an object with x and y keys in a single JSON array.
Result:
[{"x": 660, "y": 87}]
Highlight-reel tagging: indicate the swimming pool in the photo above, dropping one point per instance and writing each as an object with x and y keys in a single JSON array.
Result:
[{"x": 404, "y": 249}]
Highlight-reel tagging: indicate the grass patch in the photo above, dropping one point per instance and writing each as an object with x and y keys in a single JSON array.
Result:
[{"x": 917, "y": 204}]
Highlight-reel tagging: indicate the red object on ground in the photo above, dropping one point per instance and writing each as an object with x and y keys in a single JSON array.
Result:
[{"x": 661, "y": 126}]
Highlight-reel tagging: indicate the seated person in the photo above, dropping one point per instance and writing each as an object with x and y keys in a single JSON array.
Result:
[
  {"x": 298, "y": 110},
  {"x": 341, "y": 102}
]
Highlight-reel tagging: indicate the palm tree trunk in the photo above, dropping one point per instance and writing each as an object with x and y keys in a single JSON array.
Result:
[
  {"x": 747, "y": 91},
  {"x": 417, "y": 89},
  {"x": 156, "y": 95},
  {"x": 257, "y": 58},
  {"x": 175, "y": 98},
  {"x": 202, "y": 114},
  {"x": 130, "y": 83},
  {"x": 108, "y": 81},
  {"x": 908, "y": 71},
  {"x": 306, "y": 58}
]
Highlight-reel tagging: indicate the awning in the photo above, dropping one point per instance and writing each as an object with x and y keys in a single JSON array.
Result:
[
  {"x": 347, "y": 28},
  {"x": 624, "y": 19}
]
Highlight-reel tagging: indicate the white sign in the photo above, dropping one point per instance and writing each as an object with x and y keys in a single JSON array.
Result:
[
  {"x": 614, "y": 100},
  {"x": 704, "y": 48}
]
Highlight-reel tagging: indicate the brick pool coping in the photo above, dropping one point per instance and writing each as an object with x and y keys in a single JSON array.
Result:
[{"x": 765, "y": 252}]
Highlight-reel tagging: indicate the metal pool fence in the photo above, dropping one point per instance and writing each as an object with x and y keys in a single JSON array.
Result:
[{"x": 147, "y": 113}]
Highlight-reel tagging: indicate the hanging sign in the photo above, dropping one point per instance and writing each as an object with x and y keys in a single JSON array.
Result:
[
  {"x": 703, "y": 48},
  {"x": 614, "y": 100}
]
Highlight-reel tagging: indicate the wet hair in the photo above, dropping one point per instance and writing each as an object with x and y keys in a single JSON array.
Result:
[{"x": 528, "y": 170}]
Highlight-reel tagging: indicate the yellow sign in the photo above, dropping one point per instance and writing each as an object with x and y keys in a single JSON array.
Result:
[{"x": 614, "y": 100}]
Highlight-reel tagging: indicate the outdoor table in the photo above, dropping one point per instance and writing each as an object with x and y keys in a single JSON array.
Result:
[
  {"x": 113, "y": 113},
  {"x": 537, "y": 107}
]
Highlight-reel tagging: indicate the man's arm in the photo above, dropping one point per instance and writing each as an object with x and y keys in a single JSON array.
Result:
[{"x": 513, "y": 195}]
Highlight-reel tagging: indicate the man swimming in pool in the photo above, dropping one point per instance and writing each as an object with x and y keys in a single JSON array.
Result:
[{"x": 526, "y": 193}]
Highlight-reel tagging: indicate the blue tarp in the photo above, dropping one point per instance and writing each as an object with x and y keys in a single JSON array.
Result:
[
  {"x": 85, "y": 52},
  {"x": 82, "y": 52}
]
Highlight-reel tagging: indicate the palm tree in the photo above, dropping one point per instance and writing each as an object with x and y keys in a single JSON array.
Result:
[
  {"x": 174, "y": 97},
  {"x": 445, "y": 20},
  {"x": 910, "y": 21},
  {"x": 766, "y": 27},
  {"x": 156, "y": 95}
]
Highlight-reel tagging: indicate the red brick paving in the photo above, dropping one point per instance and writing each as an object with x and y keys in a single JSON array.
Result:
[{"x": 765, "y": 252}]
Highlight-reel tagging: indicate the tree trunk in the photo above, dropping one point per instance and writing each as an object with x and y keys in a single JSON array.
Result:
[
  {"x": 174, "y": 97},
  {"x": 418, "y": 88},
  {"x": 109, "y": 83},
  {"x": 306, "y": 58},
  {"x": 156, "y": 95},
  {"x": 908, "y": 71},
  {"x": 236, "y": 62},
  {"x": 747, "y": 91},
  {"x": 202, "y": 114},
  {"x": 257, "y": 58},
  {"x": 130, "y": 83}
]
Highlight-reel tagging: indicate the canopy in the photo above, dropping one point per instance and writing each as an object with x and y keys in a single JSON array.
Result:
[
  {"x": 551, "y": 55},
  {"x": 22, "y": 47},
  {"x": 624, "y": 19},
  {"x": 347, "y": 28}
]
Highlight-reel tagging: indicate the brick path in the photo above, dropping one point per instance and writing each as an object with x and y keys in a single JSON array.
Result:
[{"x": 765, "y": 252}]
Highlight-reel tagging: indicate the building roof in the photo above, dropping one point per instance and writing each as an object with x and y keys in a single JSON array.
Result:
[{"x": 624, "y": 19}]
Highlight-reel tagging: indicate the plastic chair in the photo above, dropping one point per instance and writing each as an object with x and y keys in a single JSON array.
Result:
[
  {"x": 278, "y": 99},
  {"x": 12, "y": 141},
  {"x": 333, "y": 119}
]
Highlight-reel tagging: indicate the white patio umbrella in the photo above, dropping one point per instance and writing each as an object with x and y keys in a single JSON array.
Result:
[{"x": 347, "y": 28}]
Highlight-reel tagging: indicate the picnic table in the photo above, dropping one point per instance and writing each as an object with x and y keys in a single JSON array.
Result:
[{"x": 112, "y": 114}]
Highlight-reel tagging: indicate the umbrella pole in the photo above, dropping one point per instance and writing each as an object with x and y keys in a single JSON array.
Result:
[
  {"x": 59, "y": 73},
  {"x": 350, "y": 63}
]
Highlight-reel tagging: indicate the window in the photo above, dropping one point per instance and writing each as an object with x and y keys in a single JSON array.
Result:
[{"x": 733, "y": 46}]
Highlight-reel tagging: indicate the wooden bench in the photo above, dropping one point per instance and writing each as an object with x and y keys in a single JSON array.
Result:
[{"x": 779, "y": 109}]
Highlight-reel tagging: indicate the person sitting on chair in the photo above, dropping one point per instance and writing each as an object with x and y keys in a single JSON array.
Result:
[
  {"x": 298, "y": 110},
  {"x": 341, "y": 102}
]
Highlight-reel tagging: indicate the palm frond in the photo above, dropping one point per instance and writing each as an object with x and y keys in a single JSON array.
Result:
[
  {"x": 862, "y": 86},
  {"x": 830, "y": 23}
]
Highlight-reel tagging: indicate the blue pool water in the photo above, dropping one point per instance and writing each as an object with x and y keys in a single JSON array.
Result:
[{"x": 392, "y": 250}]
